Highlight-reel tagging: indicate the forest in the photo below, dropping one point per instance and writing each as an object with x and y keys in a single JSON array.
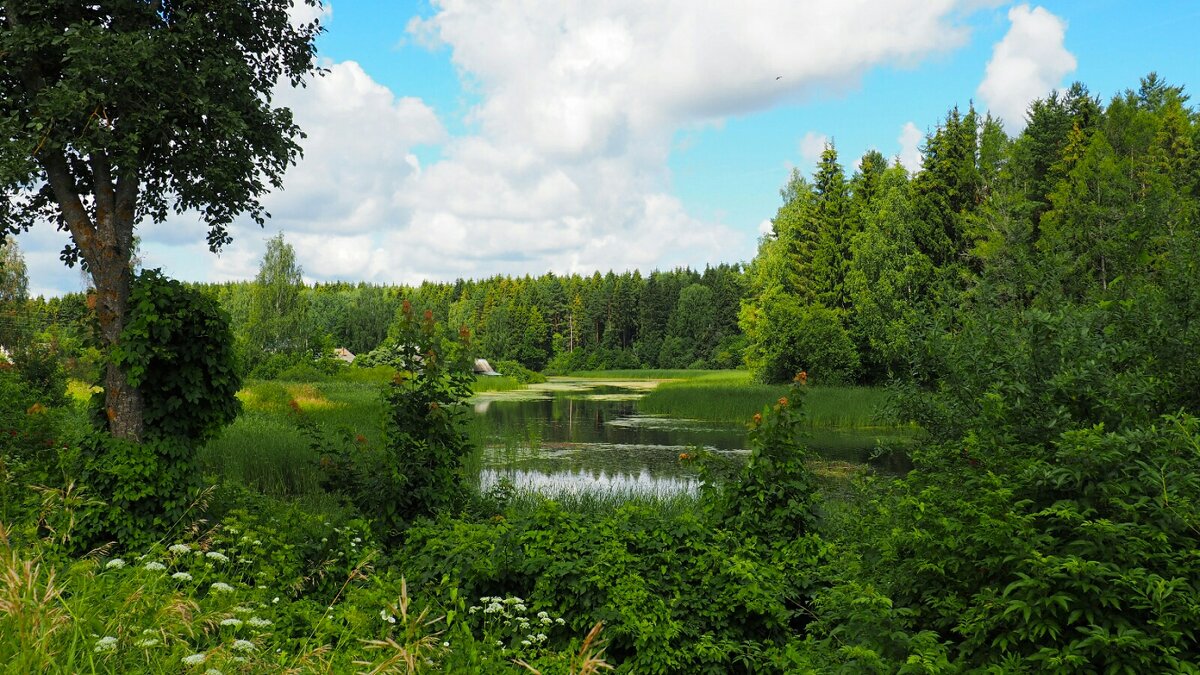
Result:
[{"x": 192, "y": 481}]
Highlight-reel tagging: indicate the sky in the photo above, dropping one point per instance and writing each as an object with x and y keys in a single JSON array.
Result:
[{"x": 469, "y": 138}]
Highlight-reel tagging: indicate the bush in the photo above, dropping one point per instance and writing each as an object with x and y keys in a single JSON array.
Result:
[
  {"x": 419, "y": 472},
  {"x": 518, "y": 372},
  {"x": 177, "y": 349},
  {"x": 40, "y": 368}
]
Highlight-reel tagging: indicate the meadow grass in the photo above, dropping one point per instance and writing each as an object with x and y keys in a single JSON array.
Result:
[
  {"x": 265, "y": 448},
  {"x": 731, "y": 396}
]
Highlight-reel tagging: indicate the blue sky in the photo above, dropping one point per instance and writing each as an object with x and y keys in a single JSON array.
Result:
[{"x": 465, "y": 138}]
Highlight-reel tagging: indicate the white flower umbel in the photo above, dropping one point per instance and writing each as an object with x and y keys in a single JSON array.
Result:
[
  {"x": 105, "y": 644},
  {"x": 178, "y": 549},
  {"x": 155, "y": 566},
  {"x": 243, "y": 646},
  {"x": 217, "y": 556},
  {"x": 181, "y": 576},
  {"x": 259, "y": 622},
  {"x": 114, "y": 564},
  {"x": 194, "y": 659},
  {"x": 231, "y": 622},
  {"x": 221, "y": 587}
]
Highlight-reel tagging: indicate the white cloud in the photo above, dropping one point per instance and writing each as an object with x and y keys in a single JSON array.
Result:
[
  {"x": 811, "y": 147},
  {"x": 1026, "y": 64},
  {"x": 910, "y": 140},
  {"x": 565, "y": 167}
]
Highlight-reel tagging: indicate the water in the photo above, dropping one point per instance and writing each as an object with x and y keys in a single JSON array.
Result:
[{"x": 572, "y": 435}]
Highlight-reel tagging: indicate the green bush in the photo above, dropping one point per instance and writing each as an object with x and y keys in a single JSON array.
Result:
[
  {"x": 419, "y": 471},
  {"x": 177, "y": 349},
  {"x": 518, "y": 372}
]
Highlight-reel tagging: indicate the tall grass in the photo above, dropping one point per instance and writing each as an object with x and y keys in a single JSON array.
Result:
[
  {"x": 265, "y": 448},
  {"x": 731, "y": 396},
  {"x": 264, "y": 453},
  {"x": 496, "y": 383}
]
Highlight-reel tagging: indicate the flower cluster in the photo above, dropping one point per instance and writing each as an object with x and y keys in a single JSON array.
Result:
[{"x": 508, "y": 624}]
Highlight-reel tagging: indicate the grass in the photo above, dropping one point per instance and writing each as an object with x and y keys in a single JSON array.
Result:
[
  {"x": 265, "y": 449},
  {"x": 731, "y": 396},
  {"x": 496, "y": 383}
]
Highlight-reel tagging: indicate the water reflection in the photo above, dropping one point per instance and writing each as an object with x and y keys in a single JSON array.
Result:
[
  {"x": 581, "y": 481},
  {"x": 576, "y": 435}
]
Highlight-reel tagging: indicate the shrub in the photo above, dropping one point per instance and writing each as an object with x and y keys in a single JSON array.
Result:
[{"x": 419, "y": 471}]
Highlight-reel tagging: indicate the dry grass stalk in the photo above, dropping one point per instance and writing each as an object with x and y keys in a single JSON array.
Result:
[
  {"x": 419, "y": 645},
  {"x": 589, "y": 660},
  {"x": 30, "y": 606}
]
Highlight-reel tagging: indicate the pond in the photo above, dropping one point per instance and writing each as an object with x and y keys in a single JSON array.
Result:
[{"x": 577, "y": 435}]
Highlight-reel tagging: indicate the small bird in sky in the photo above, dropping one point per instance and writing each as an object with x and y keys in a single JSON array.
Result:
[{"x": 779, "y": 77}]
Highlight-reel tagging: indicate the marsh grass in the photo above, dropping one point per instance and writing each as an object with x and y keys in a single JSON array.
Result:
[
  {"x": 602, "y": 503},
  {"x": 496, "y": 383},
  {"x": 731, "y": 396},
  {"x": 264, "y": 453},
  {"x": 265, "y": 448}
]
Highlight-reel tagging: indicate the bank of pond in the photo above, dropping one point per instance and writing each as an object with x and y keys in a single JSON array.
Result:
[{"x": 618, "y": 433}]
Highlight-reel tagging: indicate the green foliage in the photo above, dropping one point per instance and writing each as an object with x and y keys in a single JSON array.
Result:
[
  {"x": 41, "y": 368},
  {"x": 786, "y": 338},
  {"x": 148, "y": 488},
  {"x": 775, "y": 496},
  {"x": 520, "y": 373},
  {"x": 177, "y": 349},
  {"x": 419, "y": 471},
  {"x": 28, "y": 443}
]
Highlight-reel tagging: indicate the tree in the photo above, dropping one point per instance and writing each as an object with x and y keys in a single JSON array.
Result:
[
  {"x": 278, "y": 309},
  {"x": 14, "y": 291},
  {"x": 117, "y": 111}
]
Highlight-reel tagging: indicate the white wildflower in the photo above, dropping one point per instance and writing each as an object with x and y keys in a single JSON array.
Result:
[
  {"x": 107, "y": 643},
  {"x": 221, "y": 587},
  {"x": 541, "y": 637},
  {"x": 446, "y": 644},
  {"x": 146, "y": 642},
  {"x": 179, "y": 548},
  {"x": 213, "y": 671},
  {"x": 275, "y": 601},
  {"x": 242, "y": 646},
  {"x": 231, "y": 622},
  {"x": 194, "y": 659},
  {"x": 525, "y": 643},
  {"x": 155, "y": 566},
  {"x": 383, "y": 614},
  {"x": 257, "y": 542},
  {"x": 114, "y": 564},
  {"x": 559, "y": 621},
  {"x": 219, "y": 557},
  {"x": 543, "y": 615},
  {"x": 259, "y": 622},
  {"x": 181, "y": 576},
  {"x": 242, "y": 609}
]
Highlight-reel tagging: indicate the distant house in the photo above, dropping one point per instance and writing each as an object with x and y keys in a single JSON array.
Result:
[
  {"x": 482, "y": 367},
  {"x": 343, "y": 354}
]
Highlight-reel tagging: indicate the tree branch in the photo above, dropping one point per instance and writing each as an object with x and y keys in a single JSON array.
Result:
[{"x": 83, "y": 231}]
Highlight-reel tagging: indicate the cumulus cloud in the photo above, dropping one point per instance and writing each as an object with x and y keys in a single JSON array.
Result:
[
  {"x": 910, "y": 147},
  {"x": 565, "y": 164},
  {"x": 1026, "y": 64},
  {"x": 811, "y": 147}
]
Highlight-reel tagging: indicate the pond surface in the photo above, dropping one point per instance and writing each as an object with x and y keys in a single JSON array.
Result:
[{"x": 573, "y": 435}]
